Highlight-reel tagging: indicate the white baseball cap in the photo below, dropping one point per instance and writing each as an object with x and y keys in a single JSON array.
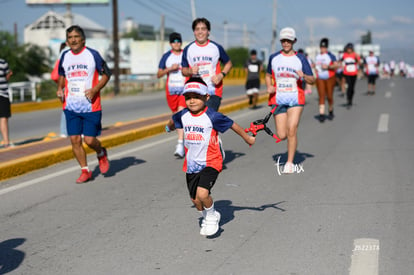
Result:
[
  {"x": 195, "y": 85},
  {"x": 288, "y": 33}
]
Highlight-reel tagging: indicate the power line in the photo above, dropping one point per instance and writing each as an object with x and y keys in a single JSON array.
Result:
[
  {"x": 178, "y": 19},
  {"x": 170, "y": 7}
]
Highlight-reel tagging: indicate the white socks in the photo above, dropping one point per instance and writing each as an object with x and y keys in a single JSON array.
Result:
[
  {"x": 322, "y": 109},
  {"x": 209, "y": 211},
  {"x": 203, "y": 213}
]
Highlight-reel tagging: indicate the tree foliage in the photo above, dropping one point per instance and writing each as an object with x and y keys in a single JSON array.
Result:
[
  {"x": 366, "y": 38},
  {"x": 238, "y": 56},
  {"x": 24, "y": 60}
]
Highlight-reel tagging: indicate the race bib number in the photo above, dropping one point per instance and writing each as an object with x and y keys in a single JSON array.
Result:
[
  {"x": 286, "y": 91},
  {"x": 372, "y": 69},
  {"x": 351, "y": 68},
  {"x": 286, "y": 85},
  {"x": 176, "y": 83},
  {"x": 318, "y": 68},
  {"x": 206, "y": 72},
  {"x": 76, "y": 89},
  {"x": 253, "y": 68}
]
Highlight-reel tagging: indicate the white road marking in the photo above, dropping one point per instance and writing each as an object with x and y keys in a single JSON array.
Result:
[
  {"x": 383, "y": 123},
  {"x": 388, "y": 94},
  {"x": 74, "y": 168},
  {"x": 365, "y": 255}
]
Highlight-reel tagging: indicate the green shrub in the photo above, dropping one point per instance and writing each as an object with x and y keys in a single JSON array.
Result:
[{"x": 46, "y": 90}]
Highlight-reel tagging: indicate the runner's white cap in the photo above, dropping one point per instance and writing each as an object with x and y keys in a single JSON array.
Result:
[
  {"x": 288, "y": 33},
  {"x": 196, "y": 85}
]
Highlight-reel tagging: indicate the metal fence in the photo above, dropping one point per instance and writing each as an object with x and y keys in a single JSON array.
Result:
[{"x": 22, "y": 90}]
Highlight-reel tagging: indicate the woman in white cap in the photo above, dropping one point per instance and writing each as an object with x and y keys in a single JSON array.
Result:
[{"x": 286, "y": 72}]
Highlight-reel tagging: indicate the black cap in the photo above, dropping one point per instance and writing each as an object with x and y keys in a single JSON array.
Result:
[
  {"x": 349, "y": 46},
  {"x": 324, "y": 43},
  {"x": 175, "y": 37},
  {"x": 253, "y": 52}
]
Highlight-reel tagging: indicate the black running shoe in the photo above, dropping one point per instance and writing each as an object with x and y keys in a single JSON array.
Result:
[
  {"x": 331, "y": 115},
  {"x": 321, "y": 118}
]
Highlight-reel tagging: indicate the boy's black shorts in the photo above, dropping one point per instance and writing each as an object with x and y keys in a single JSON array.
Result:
[{"x": 206, "y": 178}]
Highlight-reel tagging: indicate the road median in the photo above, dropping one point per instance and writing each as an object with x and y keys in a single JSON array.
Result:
[{"x": 29, "y": 157}]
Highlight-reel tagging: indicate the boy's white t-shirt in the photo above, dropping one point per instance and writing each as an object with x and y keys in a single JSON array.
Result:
[{"x": 201, "y": 138}]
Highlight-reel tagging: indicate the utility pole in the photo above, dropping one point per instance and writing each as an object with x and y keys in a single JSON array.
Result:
[
  {"x": 115, "y": 45},
  {"x": 68, "y": 16},
  {"x": 245, "y": 37},
  {"x": 311, "y": 38},
  {"x": 162, "y": 30},
  {"x": 193, "y": 9},
  {"x": 225, "y": 34},
  {"x": 274, "y": 27}
]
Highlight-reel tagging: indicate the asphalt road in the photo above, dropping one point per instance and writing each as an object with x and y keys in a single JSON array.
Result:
[
  {"x": 38, "y": 124},
  {"x": 348, "y": 211}
]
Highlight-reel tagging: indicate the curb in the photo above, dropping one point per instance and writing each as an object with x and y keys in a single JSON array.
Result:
[
  {"x": 35, "y": 106},
  {"x": 45, "y": 159},
  {"x": 21, "y": 107}
]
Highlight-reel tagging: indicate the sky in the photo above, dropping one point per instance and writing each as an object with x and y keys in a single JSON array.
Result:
[{"x": 391, "y": 23}]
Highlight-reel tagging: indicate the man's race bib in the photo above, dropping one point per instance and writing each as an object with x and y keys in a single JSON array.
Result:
[
  {"x": 253, "y": 68},
  {"x": 76, "y": 89},
  {"x": 372, "y": 69},
  {"x": 206, "y": 72},
  {"x": 76, "y": 100}
]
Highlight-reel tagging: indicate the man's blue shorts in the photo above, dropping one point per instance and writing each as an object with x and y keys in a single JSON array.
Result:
[{"x": 88, "y": 124}]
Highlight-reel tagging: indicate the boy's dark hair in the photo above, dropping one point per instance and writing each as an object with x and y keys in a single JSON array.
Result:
[
  {"x": 77, "y": 29},
  {"x": 196, "y": 78},
  {"x": 201, "y": 20},
  {"x": 175, "y": 36}
]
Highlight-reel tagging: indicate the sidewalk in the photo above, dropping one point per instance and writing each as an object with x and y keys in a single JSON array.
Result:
[{"x": 25, "y": 158}]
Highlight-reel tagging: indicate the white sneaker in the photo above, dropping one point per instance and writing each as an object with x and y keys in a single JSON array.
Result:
[
  {"x": 210, "y": 225},
  {"x": 179, "y": 150},
  {"x": 203, "y": 227},
  {"x": 289, "y": 168}
]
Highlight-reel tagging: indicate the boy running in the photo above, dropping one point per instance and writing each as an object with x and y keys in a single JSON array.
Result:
[{"x": 204, "y": 156}]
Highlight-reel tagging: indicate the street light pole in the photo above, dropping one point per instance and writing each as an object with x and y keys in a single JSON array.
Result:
[
  {"x": 225, "y": 34},
  {"x": 115, "y": 45},
  {"x": 274, "y": 22}
]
